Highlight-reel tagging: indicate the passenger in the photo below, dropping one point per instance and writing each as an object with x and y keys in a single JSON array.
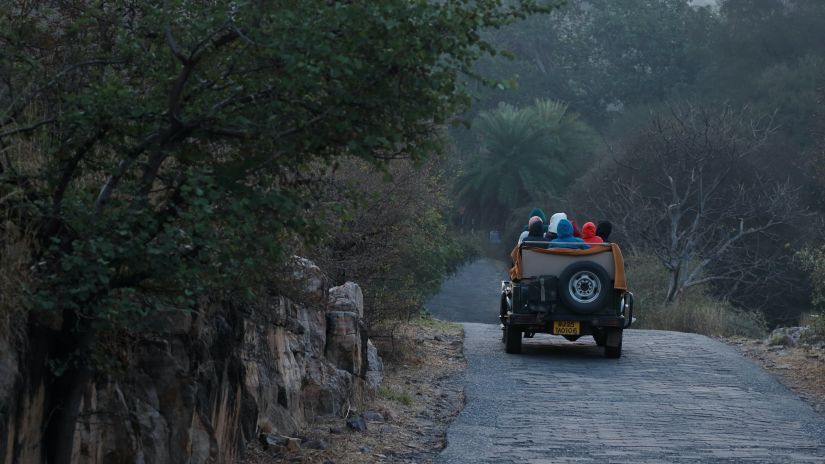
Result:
[
  {"x": 536, "y": 234},
  {"x": 537, "y": 212},
  {"x": 566, "y": 238},
  {"x": 603, "y": 230},
  {"x": 526, "y": 232},
  {"x": 589, "y": 233},
  {"x": 554, "y": 222},
  {"x": 576, "y": 232}
]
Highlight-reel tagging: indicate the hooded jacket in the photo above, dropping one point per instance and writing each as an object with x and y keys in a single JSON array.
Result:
[
  {"x": 530, "y": 223},
  {"x": 576, "y": 232},
  {"x": 566, "y": 238},
  {"x": 536, "y": 233},
  {"x": 554, "y": 222},
  {"x": 589, "y": 233},
  {"x": 603, "y": 230},
  {"x": 536, "y": 212}
]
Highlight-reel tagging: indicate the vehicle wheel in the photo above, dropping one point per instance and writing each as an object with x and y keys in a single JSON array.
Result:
[
  {"x": 613, "y": 345},
  {"x": 512, "y": 340},
  {"x": 584, "y": 287}
]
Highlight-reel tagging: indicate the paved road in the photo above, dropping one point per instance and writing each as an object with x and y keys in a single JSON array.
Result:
[
  {"x": 471, "y": 294},
  {"x": 672, "y": 397}
]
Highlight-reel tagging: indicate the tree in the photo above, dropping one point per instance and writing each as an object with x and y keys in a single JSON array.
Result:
[
  {"x": 167, "y": 149},
  {"x": 685, "y": 191},
  {"x": 526, "y": 155},
  {"x": 603, "y": 55}
]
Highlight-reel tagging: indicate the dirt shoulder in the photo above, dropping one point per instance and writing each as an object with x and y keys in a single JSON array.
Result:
[
  {"x": 407, "y": 418},
  {"x": 800, "y": 368}
]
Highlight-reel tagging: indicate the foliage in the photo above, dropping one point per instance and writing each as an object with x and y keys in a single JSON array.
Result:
[
  {"x": 603, "y": 55},
  {"x": 696, "y": 310},
  {"x": 815, "y": 331},
  {"x": 813, "y": 262},
  {"x": 527, "y": 154},
  {"x": 687, "y": 191},
  {"x": 395, "y": 241},
  {"x": 175, "y": 134},
  {"x": 180, "y": 145}
]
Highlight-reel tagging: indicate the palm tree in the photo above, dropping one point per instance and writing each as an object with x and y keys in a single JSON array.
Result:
[{"x": 526, "y": 155}]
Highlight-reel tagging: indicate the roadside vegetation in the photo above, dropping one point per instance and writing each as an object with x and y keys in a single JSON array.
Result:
[
  {"x": 156, "y": 155},
  {"x": 705, "y": 151}
]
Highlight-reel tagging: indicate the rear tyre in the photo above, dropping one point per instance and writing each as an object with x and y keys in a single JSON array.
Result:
[
  {"x": 512, "y": 339},
  {"x": 613, "y": 345},
  {"x": 584, "y": 287}
]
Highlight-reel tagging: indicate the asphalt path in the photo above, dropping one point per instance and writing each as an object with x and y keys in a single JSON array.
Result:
[{"x": 672, "y": 397}]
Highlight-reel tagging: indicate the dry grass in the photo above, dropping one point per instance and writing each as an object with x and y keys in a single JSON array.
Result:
[
  {"x": 801, "y": 369},
  {"x": 695, "y": 311}
]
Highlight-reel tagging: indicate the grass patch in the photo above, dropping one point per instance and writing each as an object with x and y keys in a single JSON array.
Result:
[
  {"x": 427, "y": 320},
  {"x": 695, "y": 311},
  {"x": 395, "y": 395}
]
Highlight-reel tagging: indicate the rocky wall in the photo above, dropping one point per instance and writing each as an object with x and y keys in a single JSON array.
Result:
[{"x": 201, "y": 393}]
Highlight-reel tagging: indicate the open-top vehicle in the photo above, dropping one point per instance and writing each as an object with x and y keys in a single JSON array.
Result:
[{"x": 566, "y": 292}]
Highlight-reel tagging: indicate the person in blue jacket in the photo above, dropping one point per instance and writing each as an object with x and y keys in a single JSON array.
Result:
[{"x": 566, "y": 238}]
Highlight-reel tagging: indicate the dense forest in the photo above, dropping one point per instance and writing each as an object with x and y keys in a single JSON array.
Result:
[
  {"x": 694, "y": 127},
  {"x": 159, "y": 157}
]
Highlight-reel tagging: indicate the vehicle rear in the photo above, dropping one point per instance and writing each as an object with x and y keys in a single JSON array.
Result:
[{"x": 566, "y": 292}]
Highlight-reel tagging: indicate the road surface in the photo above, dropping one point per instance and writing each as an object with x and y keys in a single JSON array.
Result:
[{"x": 672, "y": 397}]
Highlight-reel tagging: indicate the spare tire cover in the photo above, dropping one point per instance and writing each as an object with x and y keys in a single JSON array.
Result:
[{"x": 584, "y": 287}]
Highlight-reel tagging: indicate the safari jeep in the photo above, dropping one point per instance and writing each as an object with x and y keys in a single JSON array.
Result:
[{"x": 566, "y": 292}]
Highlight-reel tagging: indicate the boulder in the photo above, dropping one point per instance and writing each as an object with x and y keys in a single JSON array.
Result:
[
  {"x": 310, "y": 279},
  {"x": 375, "y": 366},
  {"x": 346, "y": 347},
  {"x": 357, "y": 423},
  {"x": 347, "y": 297}
]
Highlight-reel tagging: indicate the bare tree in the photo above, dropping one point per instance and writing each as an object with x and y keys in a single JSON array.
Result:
[{"x": 686, "y": 191}]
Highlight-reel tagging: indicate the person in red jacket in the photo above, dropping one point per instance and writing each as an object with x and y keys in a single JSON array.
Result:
[{"x": 589, "y": 233}]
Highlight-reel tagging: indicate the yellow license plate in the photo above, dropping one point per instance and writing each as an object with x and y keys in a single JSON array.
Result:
[{"x": 566, "y": 328}]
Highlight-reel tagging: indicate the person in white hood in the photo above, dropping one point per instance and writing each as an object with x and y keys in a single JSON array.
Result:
[{"x": 552, "y": 230}]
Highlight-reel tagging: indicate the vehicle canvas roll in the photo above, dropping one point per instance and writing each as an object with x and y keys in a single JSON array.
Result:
[{"x": 617, "y": 268}]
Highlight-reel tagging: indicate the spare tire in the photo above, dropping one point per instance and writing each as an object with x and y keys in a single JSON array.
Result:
[{"x": 584, "y": 287}]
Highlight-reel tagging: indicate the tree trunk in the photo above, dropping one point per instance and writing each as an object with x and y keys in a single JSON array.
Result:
[
  {"x": 673, "y": 287},
  {"x": 68, "y": 388}
]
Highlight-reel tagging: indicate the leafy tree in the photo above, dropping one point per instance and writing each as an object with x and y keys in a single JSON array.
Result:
[
  {"x": 166, "y": 148},
  {"x": 526, "y": 155},
  {"x": 603, "y": 55}
]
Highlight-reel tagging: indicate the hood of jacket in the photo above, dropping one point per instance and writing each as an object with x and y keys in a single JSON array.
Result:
[
  {"x": 603, "y": 230},
  {"x": 564, "y": 229},
  {"x": 538, "y": 212},
  {"x": 588, "y": 230},
  {"x": 554, "y": 222},
  {"x": 536, "y": 229}
]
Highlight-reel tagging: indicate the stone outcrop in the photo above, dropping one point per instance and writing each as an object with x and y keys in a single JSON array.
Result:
[{"x": 225, "y": 375}]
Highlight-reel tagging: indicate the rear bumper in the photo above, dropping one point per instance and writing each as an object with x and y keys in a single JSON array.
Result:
[
  {"x": 537, "y": 322},
  {"x": 542, "y": 322}
]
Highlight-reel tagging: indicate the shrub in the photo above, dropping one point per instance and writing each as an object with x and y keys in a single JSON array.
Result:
[
  {"x": 395, "y": 242},
  {"x": 694, "y": 311},
  {"x": 815, "y": 330}
]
